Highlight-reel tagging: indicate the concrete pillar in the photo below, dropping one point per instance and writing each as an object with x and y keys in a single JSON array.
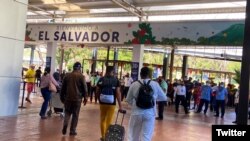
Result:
[
  {"x": 137, "y": 64},
  {"x": 62, "y": 60},
  {"x": 107, "y": 60},
  {"x": 12, "y": 35},
  {"x": 171, "y": 66},
  {"x": 165, "y": 66},
  {"x": 51, "y": 56},
  {"x": 115, "y": 61},
  {"x": 32, "y": 52},
  {"x": 184, "y": 66},
  {"x": 245, "y": 75},
  {"x": 94, "y": 58}
]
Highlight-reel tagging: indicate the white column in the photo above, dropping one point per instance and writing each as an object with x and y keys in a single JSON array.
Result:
[
  {"x": 12, "y": 32},
  {"x": 51, "y": 52},
  {"x": 138, "y": 51}
]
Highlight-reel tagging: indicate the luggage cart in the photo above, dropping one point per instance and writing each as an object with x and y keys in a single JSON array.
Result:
[{"x": 56, "y": 103}]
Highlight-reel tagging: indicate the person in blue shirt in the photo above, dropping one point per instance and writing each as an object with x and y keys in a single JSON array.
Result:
[
  {"x": 221, "y": 95},
  {"x": 206, "y": 92}
]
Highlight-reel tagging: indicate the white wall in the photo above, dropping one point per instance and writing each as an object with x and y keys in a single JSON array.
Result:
[{"x": 12, "y": 32}]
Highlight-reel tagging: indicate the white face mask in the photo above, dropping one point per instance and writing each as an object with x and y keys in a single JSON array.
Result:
[
  {"x": 222, "y": 85},
  {"x": 208, "y": 84}
]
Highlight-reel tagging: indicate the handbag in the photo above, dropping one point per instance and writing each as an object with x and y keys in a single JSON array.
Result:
[{"x": 52, "y": 87}]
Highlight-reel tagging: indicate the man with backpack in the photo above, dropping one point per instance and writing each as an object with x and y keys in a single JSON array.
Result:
[
  {"x": 108, "y": 91},
  {"x": 142, "y": 96}
]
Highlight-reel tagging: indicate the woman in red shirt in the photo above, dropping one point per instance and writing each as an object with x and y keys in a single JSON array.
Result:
[{"x": 197, "y": 94}]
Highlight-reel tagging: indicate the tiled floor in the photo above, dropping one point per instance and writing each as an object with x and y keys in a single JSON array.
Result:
[{"x": 28, "y": 126}]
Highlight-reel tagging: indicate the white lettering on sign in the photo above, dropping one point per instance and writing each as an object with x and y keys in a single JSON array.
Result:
[
  {"x": 81, "y": 36},
  {"x": 230, "y": 132}
]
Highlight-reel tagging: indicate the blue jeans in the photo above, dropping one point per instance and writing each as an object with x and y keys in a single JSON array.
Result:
[{"x": 46, "y": 96}]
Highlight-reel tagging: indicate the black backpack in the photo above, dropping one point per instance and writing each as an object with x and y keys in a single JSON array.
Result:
[
  {"x": 108, "y": 86},
  {"x": 145, "y": 99}
]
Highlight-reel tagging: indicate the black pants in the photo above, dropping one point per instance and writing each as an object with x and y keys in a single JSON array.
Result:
[
  {"x": 38, "y": 81},
  {"x": 236, "y": 111},
  {"x": 220, "y": 104},
  {"x": 89, "y": 88},
  {"x": 72, "y": 107},
  {"x": 202, "y": 102},
  {"x": 124, "y": 94},
  {"x": 249, "y": 115},
  {"x": 188, "y": 98},
  {"x": 182, "y": 99},
  {"x": 161, "y": 105},
  {"x": 171, "y": 96},
  {"x": 212, "y": 103},
  {"x": 93, "y": 90}
]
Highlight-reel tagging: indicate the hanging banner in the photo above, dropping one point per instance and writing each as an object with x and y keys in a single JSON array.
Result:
[
  {"x": 135, "y": 70},
  {"x": 48, "y": 62},
  {"x": 220, "y": 33}
]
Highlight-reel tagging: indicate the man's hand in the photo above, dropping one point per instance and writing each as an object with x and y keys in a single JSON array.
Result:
[
  {"x": 122, "y": 111},
  {"x": 120, "y": 108},
  {"x": 85, "y": 100}
]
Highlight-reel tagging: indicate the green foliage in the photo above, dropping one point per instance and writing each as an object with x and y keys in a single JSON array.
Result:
[
  {"x": 71, "y": 55},
  {"x": 232, "y": 36},
  {"x": 143, "y": 36},
  {"x": 237, "y": 76}
]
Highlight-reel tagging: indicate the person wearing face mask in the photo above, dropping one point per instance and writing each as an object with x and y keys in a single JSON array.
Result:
[
  {"x": 180, "y": 92},
  {"x": 206, "y": 92},
  {"x": 221, "y": 95},
  {"x": 93, "y": 82},
  {"x": 161, "y": 104}
]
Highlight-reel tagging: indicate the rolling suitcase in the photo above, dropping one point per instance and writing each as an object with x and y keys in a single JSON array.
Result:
[{"x": 116, "y": 132}]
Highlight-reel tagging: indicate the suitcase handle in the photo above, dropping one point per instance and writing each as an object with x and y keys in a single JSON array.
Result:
[{"x": 120, "y": 111}]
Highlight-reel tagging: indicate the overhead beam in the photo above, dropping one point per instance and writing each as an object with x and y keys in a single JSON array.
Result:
[
  {"x": 149, "y": 13},
  {"x": 97, "y": 4},
  {"x": 130, "y": 8},
  {"x": 180, "y": 2},
  {"x": 39, "y": 3}
]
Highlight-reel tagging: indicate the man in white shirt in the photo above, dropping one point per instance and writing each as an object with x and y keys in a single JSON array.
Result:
[
  {"x": 180, "y": 92},
  {"x": 87, "y": 78},
  {"x": 141, "y": 123},
  {"x": 128, "y": 81}
]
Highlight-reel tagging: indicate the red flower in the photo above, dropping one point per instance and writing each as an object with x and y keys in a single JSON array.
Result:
[
  {"x": 142, "y": 32},
  {"x": 148, "y": 42},
  {"x": 27, "y": 38},
  {"x": 129, "y": 25},
  {"x": 135, "y": 41}
]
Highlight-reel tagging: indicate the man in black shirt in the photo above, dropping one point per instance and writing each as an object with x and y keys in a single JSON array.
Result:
[
  {"x": 189, "y": 87},
  {"x": 38, "y": 76}
]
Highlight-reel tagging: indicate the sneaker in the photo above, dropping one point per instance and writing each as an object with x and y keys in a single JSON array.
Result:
[
  {"x": 64, "y": 130},
  {"x": 28, "y": 100},
  {"x": 216, "y": 115},
  {"x": 72, "y": 133},
  {"x": 43, "y": 117},
  {"x": 204, "y": 112},
  {"x": 234, "y": 122},
  {"x": 158, "y": 118}
]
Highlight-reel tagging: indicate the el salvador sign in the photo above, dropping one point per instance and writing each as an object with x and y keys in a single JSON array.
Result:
[{"x": 229, "y": 33}]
